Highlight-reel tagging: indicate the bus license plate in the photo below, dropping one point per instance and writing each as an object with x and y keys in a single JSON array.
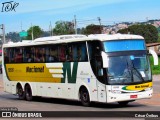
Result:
[{"x": 133, "y": 96}]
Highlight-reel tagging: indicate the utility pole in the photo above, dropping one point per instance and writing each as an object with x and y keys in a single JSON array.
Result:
[
  {"x": 99, "y": 19},
  {"x": 3, "y": 33},
  {"x": 75, "y": 24},
  {"x": 32, "y": 31},
  {"x": 50, "y": 29}
]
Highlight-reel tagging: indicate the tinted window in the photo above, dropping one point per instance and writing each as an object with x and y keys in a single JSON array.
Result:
[
  {"x": 71, "y": 52},
  {"x": 124, "y": 45}
]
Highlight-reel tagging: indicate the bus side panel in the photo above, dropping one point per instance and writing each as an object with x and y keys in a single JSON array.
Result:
[
  {"x": 68, "y": 88},
  {"x": 86, "y": 78},
  {"x": 7, "y": 84}
]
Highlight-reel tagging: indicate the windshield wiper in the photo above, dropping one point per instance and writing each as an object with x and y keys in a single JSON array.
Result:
[
  {"x": 139, "y": 74},
  {"x": 133, "y": 71}
]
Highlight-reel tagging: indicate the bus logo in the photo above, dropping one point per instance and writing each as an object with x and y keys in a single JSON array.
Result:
[{"x": 67, "y": 72}]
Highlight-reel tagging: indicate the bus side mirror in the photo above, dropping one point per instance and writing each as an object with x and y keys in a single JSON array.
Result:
[
  {"x": 155, "y": 56},
  {"x": 105, "y": 59}
]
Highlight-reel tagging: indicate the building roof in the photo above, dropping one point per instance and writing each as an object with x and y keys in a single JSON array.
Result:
[{"x": 152, "y": 44}]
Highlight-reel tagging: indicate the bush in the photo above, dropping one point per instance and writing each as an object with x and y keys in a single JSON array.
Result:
[{"x": 155, "y": 69}]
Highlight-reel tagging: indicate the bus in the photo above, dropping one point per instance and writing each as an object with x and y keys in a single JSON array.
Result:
[{"x": 95, "y": 68}]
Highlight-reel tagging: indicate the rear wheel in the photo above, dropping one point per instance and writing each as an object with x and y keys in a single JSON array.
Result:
[
  {"x": 28, "y": 93},
  {"x": 20, "y": 92},
  {"x": 84, "y": 97}
]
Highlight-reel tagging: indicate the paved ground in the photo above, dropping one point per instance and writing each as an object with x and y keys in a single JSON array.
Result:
[{"x": 156, "y": 77}]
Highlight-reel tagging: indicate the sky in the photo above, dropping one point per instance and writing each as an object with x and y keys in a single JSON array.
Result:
[{"x": 46, "y": 12}]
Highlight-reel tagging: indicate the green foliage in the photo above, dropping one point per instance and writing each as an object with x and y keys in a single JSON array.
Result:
[
  {"x": 155, "y": 69},
  {"x": 158, "y": 29},
  {"x": 13, "y": 36},
  {"x": 63, "y": 28},
  {"x": 158, "y": 38},
  {"x": 149, "y": 32},
  {"x": 92, "y": 29},
  {"x": 37, "y": 32}
]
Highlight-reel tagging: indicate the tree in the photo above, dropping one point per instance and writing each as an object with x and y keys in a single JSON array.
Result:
[
  {"x": 13, "y": 36},
  {"x": 92, "y": 29},
  {"x": 149, "y": 32},
  {"x": 37, "y": 32},
  {"x": 63, "y": 28}
]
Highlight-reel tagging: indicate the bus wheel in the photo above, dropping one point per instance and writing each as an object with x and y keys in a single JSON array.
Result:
[
  {"x": 124, "y": 103},
  {"x": 20, "y": 92},
  {"x": 28, "y": 93},
  {"x": 84, "y": 97}
]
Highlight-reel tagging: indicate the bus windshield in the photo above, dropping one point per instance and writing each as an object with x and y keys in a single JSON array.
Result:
[{"x": 128, "y": 69}]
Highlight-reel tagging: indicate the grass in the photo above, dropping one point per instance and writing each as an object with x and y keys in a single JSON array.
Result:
[{"x": 155, "y": 69}]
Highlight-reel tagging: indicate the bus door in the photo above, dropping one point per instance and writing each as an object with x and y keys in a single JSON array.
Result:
[
  {"x": 95, "y": 48},
  {"x": 101, "y": 85}
]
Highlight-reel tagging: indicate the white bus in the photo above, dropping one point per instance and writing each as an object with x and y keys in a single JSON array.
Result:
[{"x": 98, "y": 68}]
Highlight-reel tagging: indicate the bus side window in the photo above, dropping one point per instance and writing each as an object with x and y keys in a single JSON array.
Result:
[
  {"x": 80, "y": 52},
  {"x": 62, "y": 53},
  {"x": 37, "y": 54},
  {"x": 83, "y": 51},
  {"x": 6, "y": 55},
  {"x": 27, "y": 53},
  {"x": 53, "y": 53},
  {"x": 74, "y": 53},
  {"x": 12, "y": 55},
  {"x": 69, "y": 53},
  {"x": 47, "y": 53},
  {"x": 94, "y": 48},
  {"x": 42, "y": 54},
  {"x": 18, "y": 55}
]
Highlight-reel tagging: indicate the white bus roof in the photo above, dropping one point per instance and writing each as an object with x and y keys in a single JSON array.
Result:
[
  {"x": 50, "y": 40},
  {"x": 72, "y": 38},
  {"x": 61, "y": 37},
  {"x": 105, "y": 37}
]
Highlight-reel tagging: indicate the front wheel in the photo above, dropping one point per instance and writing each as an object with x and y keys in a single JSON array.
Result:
[
  {"x": 84, "y": 97},
  {"x": 28, "y": 93}
]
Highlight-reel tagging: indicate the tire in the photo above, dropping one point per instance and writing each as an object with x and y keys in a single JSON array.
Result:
[
  {"x": 124, "y": 103},
  {"x": 20, "y": 92},
  {"x": 84, "y": 97},
  {"x": 28, "y": 93}
]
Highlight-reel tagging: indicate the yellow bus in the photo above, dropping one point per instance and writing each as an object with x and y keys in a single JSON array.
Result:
[{"x": 97, "y": 68}]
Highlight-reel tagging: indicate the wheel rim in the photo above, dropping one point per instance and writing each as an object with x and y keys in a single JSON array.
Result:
[
  {"x": 20, "y": 92},
  {"x": 85, "y": 97},
  {"x": 28, "y": 93}
]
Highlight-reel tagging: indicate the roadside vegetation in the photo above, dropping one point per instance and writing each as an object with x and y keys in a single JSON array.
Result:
[{"x": 155, "y": 69}]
